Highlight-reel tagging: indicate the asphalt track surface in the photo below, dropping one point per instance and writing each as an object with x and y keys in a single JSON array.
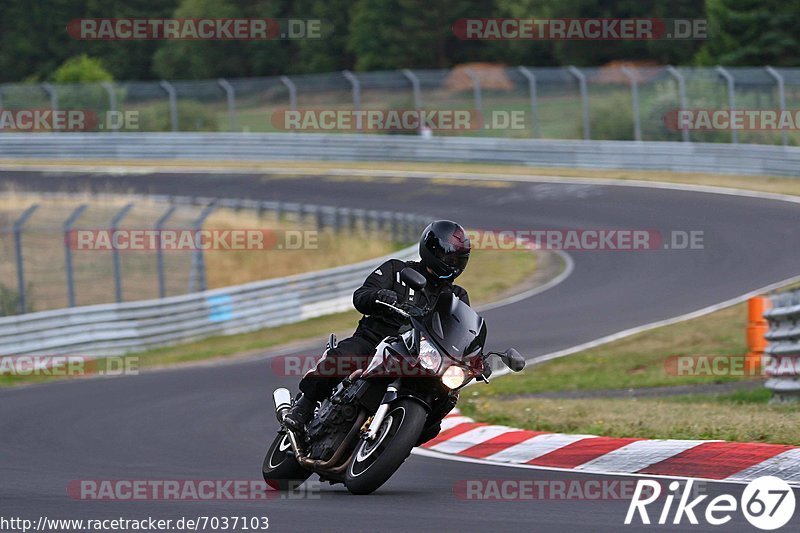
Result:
[{"x": 215, "y": 422}]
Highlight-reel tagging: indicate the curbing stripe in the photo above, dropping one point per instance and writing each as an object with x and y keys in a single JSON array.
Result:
[
  {"x": 716, "y": 460},
  {"x": 581, "y": 452},
  {"x": 734, "y": 462}
]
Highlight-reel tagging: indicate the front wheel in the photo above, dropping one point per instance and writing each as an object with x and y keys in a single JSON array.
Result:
[
  {"x": 281, "y": 470},
  {"x": 373, "y": 463}
]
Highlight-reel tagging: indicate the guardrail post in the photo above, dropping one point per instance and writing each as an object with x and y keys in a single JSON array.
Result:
[
  {"x": 531, "y": 77},
  {"x": 476, "y": 94},
  {"x": 115, "y": 252},
  {"x": 637, "y": 124},
  {"x": 781, "y": 100},
  {"x": 230, "y": 94},
  {"x": 675, "y": 73},
  {"x": 197, "y": 276},
  {"x": 68, "y": 252},
  {"x": 173, "y": 102},
  {"x": 587, "y": 134},
  {"x": 292, "y": 88},
  {"x": 731, "y": 98},
  {"x": 415, "y": 88},
  {"x": 112, "y": 103},
  {"x": 159, "y": 226},
  {"x": 18, "y": 225}
]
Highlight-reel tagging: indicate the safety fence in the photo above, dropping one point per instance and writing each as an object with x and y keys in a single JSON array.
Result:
[
  {"x": 48, "y": 269},
  {"x": 783, "y": 350},
  {"x": 119, "y": 328},
  {"x": 606, "y": 103}
]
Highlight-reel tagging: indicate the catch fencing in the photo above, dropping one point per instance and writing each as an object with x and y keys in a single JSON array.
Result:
[
  {"x": 40, "y": 268},
  {"x": 605, "y": 103},
  {"x": 783, "y": 351}
]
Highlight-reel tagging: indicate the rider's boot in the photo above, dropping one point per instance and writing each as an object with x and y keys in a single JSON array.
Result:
[{"x": 300, "y": 413}]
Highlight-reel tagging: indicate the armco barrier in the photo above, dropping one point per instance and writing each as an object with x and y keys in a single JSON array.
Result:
[
  {"x": 114, "y": 329},
  {"x": 671, "y": 156},
  {"x": 783, "y": 350}
]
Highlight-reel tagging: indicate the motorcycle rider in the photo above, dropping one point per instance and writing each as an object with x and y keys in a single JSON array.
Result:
[{"x": 444, "y": 252}]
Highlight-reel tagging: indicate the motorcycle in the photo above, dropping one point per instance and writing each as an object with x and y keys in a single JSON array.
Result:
[{"x": 364, "y": 431}]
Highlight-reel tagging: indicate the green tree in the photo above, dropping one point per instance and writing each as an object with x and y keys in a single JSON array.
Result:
[
  {"x": 752, "y": 32},
  {"x": 81, "y": 69}
]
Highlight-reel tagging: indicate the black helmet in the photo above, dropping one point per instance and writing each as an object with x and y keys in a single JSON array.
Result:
[{"x": 444, "y": 248}]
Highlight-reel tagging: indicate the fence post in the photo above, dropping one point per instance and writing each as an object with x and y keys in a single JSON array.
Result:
[
  {"x": 112, "y": 103},
  {"x": 587, "y": 134},
  {"x": 68, "y": 253},
  {"x": 115, "y": 252},
  {"x": 230, "y": 93},
  {"x": 292, "y": 88},
  {"x": 675, "y": 73},
  {"x": 51, "y": 92},
  {"x": 162, "y": 285},
  {"x": 197, "y": 276},
  {"x": 415, "y": 88},
  {"x": 173, "y": 102},
  {"x": 781, "y": 99},
  {"x": 18, "y": 225},
  {"x": 476, "y": 94},
  {"x": 637, "y": 123},
  {"x": 535, "y": 126},
  {"x": 731, "y": 98}
]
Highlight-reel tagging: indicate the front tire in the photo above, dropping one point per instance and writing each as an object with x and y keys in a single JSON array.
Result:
[
  {"x": 374, "y": 463},
  {"x": 280, "y": 469}
]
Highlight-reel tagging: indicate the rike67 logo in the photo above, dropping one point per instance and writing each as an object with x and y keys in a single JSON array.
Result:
[{"x": 767, "y": 503}]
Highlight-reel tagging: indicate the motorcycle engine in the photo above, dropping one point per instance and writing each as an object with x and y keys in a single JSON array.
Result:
[{"x": 330, "y": 426}]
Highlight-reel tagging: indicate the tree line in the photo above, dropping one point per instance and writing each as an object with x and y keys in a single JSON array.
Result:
[{"x": 377, "y": 35}]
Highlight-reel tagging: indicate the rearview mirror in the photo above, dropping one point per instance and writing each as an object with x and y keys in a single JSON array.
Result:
[
  {"x": 513, "y": 359},
  {"x": 413, "y": 279}
]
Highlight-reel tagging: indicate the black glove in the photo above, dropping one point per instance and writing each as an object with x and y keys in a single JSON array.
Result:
[{"x": 386, "y": 296}]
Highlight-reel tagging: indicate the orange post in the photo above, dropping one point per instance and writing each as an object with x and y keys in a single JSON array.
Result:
[{"x": 756, "y": 329}]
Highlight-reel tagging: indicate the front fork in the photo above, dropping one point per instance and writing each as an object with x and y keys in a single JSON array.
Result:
[{"x": 390, "y": 396}]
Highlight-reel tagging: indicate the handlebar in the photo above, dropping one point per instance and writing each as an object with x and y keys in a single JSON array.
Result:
[{"x": 395, "y": 309}]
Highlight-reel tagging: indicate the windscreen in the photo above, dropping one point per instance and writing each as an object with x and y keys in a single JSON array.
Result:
[{"x": 462, "y": 330}]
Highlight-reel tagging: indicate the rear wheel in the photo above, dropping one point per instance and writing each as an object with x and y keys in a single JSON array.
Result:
[
  {"x": 281, "y": 470},
  {"x": 373, "y": 463}
]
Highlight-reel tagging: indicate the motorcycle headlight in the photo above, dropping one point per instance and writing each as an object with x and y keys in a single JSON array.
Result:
[
  {"x": 454, "y": 377},
  {"x": 429, "y": 357}
]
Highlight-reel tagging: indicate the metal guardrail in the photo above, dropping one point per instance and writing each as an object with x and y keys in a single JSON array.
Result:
[
  {"x": 115, "y": 329},
  {"x": 670, "y": 156},
  {"x": 783, "y": 351}
]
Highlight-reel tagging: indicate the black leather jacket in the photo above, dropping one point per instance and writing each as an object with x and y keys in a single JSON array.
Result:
[{"x": 379, "y": 321}]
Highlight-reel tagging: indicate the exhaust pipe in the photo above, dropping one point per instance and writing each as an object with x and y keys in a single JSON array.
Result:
[{"x": 283, "y": 401}]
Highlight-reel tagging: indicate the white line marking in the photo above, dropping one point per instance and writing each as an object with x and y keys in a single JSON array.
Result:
[{"x": 454, "y": 421}]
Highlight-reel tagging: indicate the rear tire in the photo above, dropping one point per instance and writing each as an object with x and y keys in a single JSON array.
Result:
[
  {"x": 374, "y": 463},
  {"x": 280, "y": 469}
]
